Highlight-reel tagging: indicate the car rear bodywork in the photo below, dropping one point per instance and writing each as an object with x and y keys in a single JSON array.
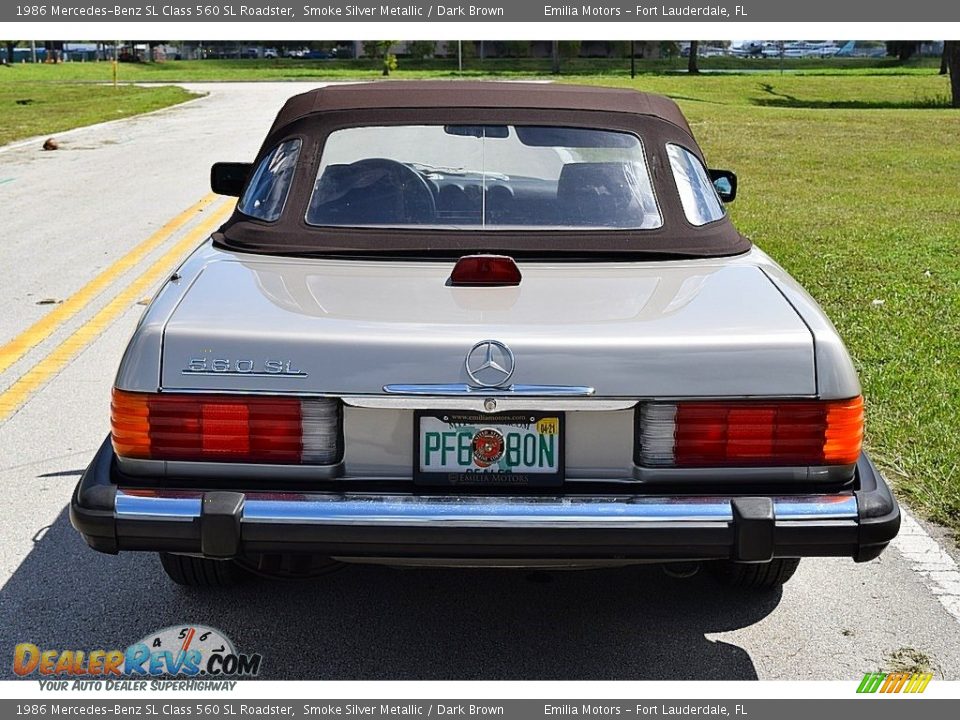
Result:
[
  {"x": 683, "y": 396},
  {"x": 634, "y": 333}
]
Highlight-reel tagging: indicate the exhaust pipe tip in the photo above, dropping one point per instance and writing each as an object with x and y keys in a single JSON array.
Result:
[{"x": 681, "y": 570}]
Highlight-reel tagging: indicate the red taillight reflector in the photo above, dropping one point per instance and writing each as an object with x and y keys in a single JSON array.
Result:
[
  {"x": 749, "y": 433},
  {"x": 254, "y": 429},
  {"x": 225, "y": 427},
  {"x": 485, "y": 270}
]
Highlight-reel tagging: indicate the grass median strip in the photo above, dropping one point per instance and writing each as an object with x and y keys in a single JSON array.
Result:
[
  {"x": 52, "y": 321},
  {"x": 35, "y": 378},
  {"x": 249, "y": 69},
  {"x": 34, "y": 108}
]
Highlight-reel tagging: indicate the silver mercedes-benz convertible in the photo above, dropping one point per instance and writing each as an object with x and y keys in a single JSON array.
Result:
[{"x": 483, "y": 324}]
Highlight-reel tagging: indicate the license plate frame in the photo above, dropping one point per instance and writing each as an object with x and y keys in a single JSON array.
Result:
[{"x": 476, "y": 422}]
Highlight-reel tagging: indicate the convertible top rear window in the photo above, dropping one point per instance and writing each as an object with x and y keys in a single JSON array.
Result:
[{"x": 489, "y": 177}]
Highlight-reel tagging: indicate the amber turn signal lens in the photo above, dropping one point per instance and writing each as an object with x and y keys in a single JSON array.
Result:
[
  {"x": 130, "y": 424},
  {"x": 843, "y": 438}
]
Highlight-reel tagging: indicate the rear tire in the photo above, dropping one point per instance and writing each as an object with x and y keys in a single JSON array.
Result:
[
  {"x": 293, "y": 566},
  {"x": 754, "y": 576},
  {"x": 191, "y": 571}
]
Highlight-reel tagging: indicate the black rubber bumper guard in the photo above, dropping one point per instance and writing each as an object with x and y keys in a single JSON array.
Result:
[{"x": 752, "y": 533}]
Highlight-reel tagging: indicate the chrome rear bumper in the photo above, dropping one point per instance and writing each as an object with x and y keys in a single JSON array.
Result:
[
  {"x": 218, "y": 523},
  {"x": 473, "y": 511}
]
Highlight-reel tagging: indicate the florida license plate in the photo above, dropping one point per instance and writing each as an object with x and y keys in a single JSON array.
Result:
[{"x": 507, "y": 449}]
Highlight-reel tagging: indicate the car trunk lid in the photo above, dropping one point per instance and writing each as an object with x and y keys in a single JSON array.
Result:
[{"x": 346, "y": 327}]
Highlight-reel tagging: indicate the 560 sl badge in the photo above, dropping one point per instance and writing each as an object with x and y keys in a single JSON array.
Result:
[{"x": 246, "y": 368}]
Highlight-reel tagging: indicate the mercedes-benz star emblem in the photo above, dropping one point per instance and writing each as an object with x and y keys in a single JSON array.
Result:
[{"x": 490, "y": 363}]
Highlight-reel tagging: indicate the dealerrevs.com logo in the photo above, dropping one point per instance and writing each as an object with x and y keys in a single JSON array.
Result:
[{"x": 177, "y": 651}]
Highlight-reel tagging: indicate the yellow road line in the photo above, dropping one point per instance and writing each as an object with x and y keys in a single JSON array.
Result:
[
  {"x": 58, "y": 358},
  {"x": 42, "y": 328}
]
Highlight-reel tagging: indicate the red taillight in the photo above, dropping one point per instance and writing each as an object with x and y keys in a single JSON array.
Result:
[
  {"x": 282, "y": 430},
  {"x": 485, "y": 270},
  {"x": 750, "y": 433}
]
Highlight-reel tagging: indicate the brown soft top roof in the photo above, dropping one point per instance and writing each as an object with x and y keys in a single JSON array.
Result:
[
  {"x": 475, "y": 94},
  {"x": 312, "y": 116}
]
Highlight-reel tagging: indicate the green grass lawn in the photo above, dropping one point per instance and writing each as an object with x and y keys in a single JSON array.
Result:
[
  {"x": 30, "y": 109},
  {"x": 293, "y": 69},
  {"x": 850, "y": 178},
  {"x": 861, "y": 203}
]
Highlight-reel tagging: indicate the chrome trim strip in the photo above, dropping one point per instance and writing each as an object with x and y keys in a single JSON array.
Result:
[
  {"x": 228, "y": 470},
  {"x": 180, "y": 507},
  {"x": 474, "y": 392},
  {"x": 477, "y": 402},
  {"x": 816, "y": 507},
  {"x": 512, "y": 390},
  {"x": 474, "y": 511}
]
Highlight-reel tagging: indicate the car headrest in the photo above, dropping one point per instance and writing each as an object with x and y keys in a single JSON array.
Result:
[{"x": 601, "y": 194}]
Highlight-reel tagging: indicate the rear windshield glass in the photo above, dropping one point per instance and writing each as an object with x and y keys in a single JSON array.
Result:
[
  {"x": 483, "y": 177},
  {"x": 267, "y": 190}
]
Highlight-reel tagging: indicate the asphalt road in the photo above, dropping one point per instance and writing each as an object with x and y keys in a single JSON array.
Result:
[{"x": 71, "y": 213}]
